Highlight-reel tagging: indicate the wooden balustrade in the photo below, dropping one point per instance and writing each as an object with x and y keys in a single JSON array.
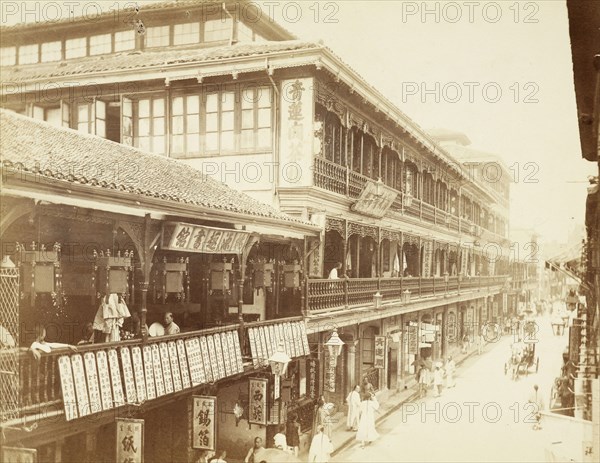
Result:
[
  {"x": 356, "y": 183},
  {"x": 330, "y": 176}
]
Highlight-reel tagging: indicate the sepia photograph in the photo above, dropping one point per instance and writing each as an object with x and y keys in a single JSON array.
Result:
[{"x": 306, "y": 231}]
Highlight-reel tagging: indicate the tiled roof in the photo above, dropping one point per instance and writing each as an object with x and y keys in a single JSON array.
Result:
[
  {"x": 36, "y": 147},
  {"x": 147, "y": 59}
]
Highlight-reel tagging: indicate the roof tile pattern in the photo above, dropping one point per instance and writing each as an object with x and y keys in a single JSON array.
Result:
[
  {"x": 30, "y": 147},
  {"x": 146, "y": 60}
]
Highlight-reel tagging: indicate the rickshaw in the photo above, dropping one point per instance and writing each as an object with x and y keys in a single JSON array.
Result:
[
  {"x": 522, "y": 358},
  {"x": 514, "y": 361},
  {"x": 529, "y": 358}
]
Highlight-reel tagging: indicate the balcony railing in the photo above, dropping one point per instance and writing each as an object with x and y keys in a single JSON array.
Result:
[
  {"x": 325, "y": 295},
  {"x": 339, "y": 179}
]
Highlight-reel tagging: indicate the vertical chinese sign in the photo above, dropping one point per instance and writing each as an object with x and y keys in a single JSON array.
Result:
[
  {"x": 313, "y": 379},
  {"x": 413, "y": 342},
  {"x": 130, "y": 440},
  {"x": 204, "y": 424},
  {"x": 257, "y": 396},
  {"x": 330, "y": 373},
  {"x": 380, "y": 351}
]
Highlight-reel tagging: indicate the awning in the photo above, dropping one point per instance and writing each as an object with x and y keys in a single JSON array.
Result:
[{"x": 266, "y": 339}]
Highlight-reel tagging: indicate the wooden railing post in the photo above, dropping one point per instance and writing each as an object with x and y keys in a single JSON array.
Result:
[{"x": 346, "y": 284}]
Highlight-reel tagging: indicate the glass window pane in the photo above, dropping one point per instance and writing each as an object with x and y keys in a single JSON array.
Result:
[
  {"x": 124, "y": 40},
  {"x": 247, "y": 139},
  {"x": 264, "y": 117},
  {"x": 100, "y": 128},
  {"x": 248, "y": 98},
  {"x": 227, "y": 101},
  {"x": 193, "y": 143},
  {"x": 38, "y": 113},
  {"x": 178, "y": 106},
  {"x": 144, "y": 108},
  {"x": 193, "y": 104},
  {"x": 264, "y": 138},
  {"x": 247, "y": 119},
  {"x": 193, "y": 123},
  {"x": 158, "y": 145},
  {"x": 82, "y": 113},
  {"x": 53, "y": 116},
  {"x": 28, "y": 54},
  {"x": 186, "y": 33},
  {"x": 177, "y": 123},
  {"x": 100, "y": 44},
  {"x": 83, "y": 127},
  {"x": 158, "y": 107},
  {"x": 127, "y": 107},
  {"x": 227, "y": 141},
  {"x": 144, "y": 127},
  {"x": 212, "y": 103},
  {"x": 212, "y": 124},
  {"x": 144, "y": 143},
  {"x": 76, "y": 48},
  {"x": 227, "y": 121},
  {"x": 264, "y": 97},
  {"x": 211, "y": 142},
  {"x": 51, "y": 51},
  {"x": 177, "y": 145},
  {"x": 8, "y": 56},
  {"x": 217, "y": 29},
  {"x": 100, "y": 110},
  {"x": 158, "y": 124},
  {"x": 157, "y": 36}
]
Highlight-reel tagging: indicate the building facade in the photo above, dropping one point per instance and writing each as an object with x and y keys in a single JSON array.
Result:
[{"x": 154, "y": 113}]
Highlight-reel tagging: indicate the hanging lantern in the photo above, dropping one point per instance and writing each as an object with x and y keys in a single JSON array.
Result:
[
  {"x": 334, "y": 346},
  {"x": 279, "y": 361}
]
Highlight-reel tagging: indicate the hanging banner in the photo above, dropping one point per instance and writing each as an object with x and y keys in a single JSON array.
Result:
[
  {"x": 83, "y": 402},
  {"x": 177, "y": 236},
  {"x": 194, "y": 357},
  {"x": 128, "y": 376},
  {"x": 427, "y": 258},
  {"x": 313, "y": 378},
  {"x": 104, "y": 380},
  {"x": 175, "y": 372},
  {"x": 130, "y": 440},
  {"x": 330, "y": 374},
  {"x": 204, "y": 424},
  {"x": 138, "y": 370},
  {"x": 186, "y": 382},
  {"x": 149, "y": 372},
  {"x": 115, "y": 378},
  {"x": 166, "y": 367},
  {"x": 380, "y": 351},
  {"x": 412, "y": 338},
  {"x": 68, "y": 388},
  {"x": 257, "y": 400},
  {"x": 464, "y": 260}
]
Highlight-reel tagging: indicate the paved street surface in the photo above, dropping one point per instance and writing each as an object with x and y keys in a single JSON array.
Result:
[{"x": 484, "y": 418}]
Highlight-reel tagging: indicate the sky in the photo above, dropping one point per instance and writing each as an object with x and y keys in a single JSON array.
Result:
[{"x": 500, "y": 72}]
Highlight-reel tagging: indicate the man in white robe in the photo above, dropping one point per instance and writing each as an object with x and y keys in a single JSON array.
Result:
[
  {"x": 320, "y": 447},
  {"x": 353, "y": 401}
]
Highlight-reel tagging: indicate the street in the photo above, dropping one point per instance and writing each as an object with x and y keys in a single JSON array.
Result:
[{"x": 484, "y": 418}]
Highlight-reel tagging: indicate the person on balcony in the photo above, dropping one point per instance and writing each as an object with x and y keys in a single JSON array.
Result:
[
  {"x": 41, "y": 345},
  {"x": 334, "y": 274},
  {"x": 170, "y": 326}
]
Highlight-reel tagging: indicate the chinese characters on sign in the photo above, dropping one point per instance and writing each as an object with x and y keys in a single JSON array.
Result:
[
  {"x": 257, "y": 411},
  {"x": 330, "y": 374},
  {"x": 130, "y": 440},
  {"x": 374, "y": 200},
  {"x": 413, "y": 344},
  {"x": 380, "y": 349},
  {"x": 203, "y": 422},
  {"x": 194, "y": 238},
  {"x": 313, "y": 378}
]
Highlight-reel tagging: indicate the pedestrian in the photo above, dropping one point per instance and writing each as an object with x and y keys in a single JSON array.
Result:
[
  {"x": 480, "y": 343},
  {"x": 279, "y": 439},
  {"x": 438, "y": 380},
  {"x": 321, "y": 447},
  {"x": 465, "y": 343},
  {"x": 323, "y": 416},
  {"x": 292, "y": 433},
  {"x": 366, "y": 425},
  {"x": 353, "y": 401},
  {"x": 219, "y": 457},
  {"x": 450, "y": 369},
  {"x": 538, "y": 405},
  {"x": 423, "y": 378},
  {"x": 253, "y": 455}
]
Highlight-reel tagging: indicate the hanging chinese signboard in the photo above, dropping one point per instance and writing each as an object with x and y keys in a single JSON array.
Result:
[
  {"x": 204, "y": 424},
  {"x": 130, "y": 440},
  {"x": 375, "y": 199},
  {"x": 68, "y": 387},
  {"x": 427, "y": 258},
  {"x": 380, "y": 349},
  {"x": 330, "y": 374},
  {"x": 257, "y": 397},
  {"x": 265, "y": 340},
  {"x": 413, "y": 341},
  {"x": 177, "y": 236},
  {"x": 313, "y": 378}
]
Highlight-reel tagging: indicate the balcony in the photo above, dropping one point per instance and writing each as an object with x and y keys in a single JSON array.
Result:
[{"x": 329, "y": 295}]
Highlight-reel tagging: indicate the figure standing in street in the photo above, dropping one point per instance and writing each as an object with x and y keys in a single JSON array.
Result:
[
  {"x": 323, "y": 418},
  {"x": 536, "y": 399},
  {"x": 280, "y": 440},
  {"x": 353, "y": 401},
  {"x": 366, "y": 425},
  {"x": 320, "y": 447},
  {"x": 254, "y": 454},
  {"x": 450, "y": 369},
  {"x": 423, "y": 378},
  {"x": 438, "y": 380},
  {"x": 292, "y": 433}
]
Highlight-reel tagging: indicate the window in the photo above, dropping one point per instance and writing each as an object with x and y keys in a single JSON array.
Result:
[
  {"x": 217, "y": 29},
  {"x": 76, "y": 48},
  {"x": 185, "y": 122},
  {"x": 28, "y": 54},
  {"x": 124, "y": 40},
  {"x": 186, "y": 33},
  {"x": 51, "y": 51},
  {"x": 85, "y": 118},
  {"x": 157, "y": 36},
  {"x": 150, "y": 125},
  {"x": 52, "y": 115},
  {"x": 220, "y": 122},
  {"x": 8, "y": 56},
  {"x": 256, "y": 118},
  {"x": 100, "y": 44}
]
